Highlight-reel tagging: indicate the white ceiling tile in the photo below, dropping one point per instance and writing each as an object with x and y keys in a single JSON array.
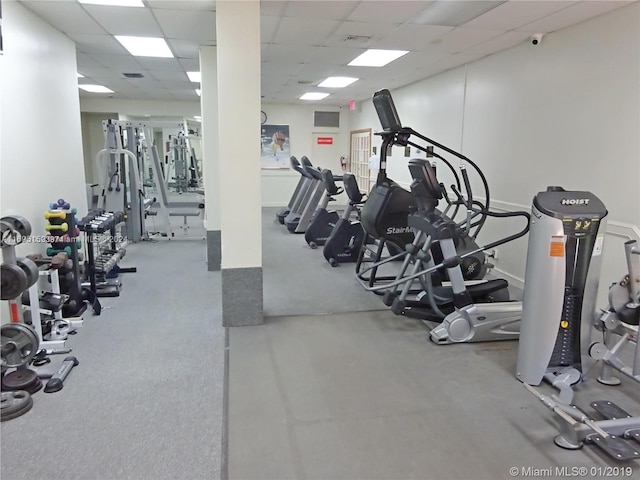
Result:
[
  {"x": 411, "y": 36},
  {"x": 497, "y": 44},
  {"x": 97, "y": 44},
  {"x": 576, "y": 13},
  {"x": 513, "y": 14},
  {"x": 209, "y": 5},
  {"x": 302, "y": 31},
  {"x": 86, "y": 61},
  {"x": 334, "y": 55},
  {"x": 170, "y": 75},
  {"x": 462, "y": 38},
  {"x": 268, "y": 28},
  {"x": 281, "y": 68},
  {"x": 152, "y": 63},
  {"x": 125, "y": 21},
  {"x": 68, "y": 17},
  {"x": 184, "y": 48},
  {"x": 189, "y": 64},
  {"x": 329, "y": 9},
  {"x": 397, "y": 12},
  {"x": 274, "y": 8},
  {"x": 120, "y": 63},
  {"x": 192, "y": 25},
  {"x": 287, "y": 53},
  {"x": 95, "y": 72},
  {"x": 375, "y": 31}
]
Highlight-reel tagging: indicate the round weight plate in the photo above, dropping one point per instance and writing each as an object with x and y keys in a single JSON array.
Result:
[
  {"x": 20, "y": 224},
  {"x": 30, "y": 268},
  {"x": 14, "y": 404},
  {"x": 19, "y": 380},
  {"x": 19, "y": 344},
  {"x": 9, "y": 234},
  {"x": 13, "y": 281}
]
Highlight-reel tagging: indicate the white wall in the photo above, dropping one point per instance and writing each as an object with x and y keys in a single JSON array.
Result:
[
  {"x": 41, "y": 138},
  {"x": 278, "y": 185},
  {"x": 563, "y": 113}
]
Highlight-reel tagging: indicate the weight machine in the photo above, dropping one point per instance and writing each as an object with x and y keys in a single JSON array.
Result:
[{"x": 563, "y": 267}]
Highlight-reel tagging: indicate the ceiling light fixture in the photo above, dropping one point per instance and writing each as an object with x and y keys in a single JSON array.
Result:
[
  {"x": 95, "y": 88},
  {"x": 114, "y": 3},
  {"x": 377, "y": 58},
  {"x": 198, "y": 91},
  {"x": 145, "y": 46},
  {"x": 79, "y": 75},
  {"x": 314, "y": 96},
  {"x": 194, "y": 76},
  {"x": 453, "y": 14},
  {"x": 337, "y": 82}
]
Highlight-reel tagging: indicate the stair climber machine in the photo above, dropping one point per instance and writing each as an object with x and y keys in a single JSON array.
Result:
[
  {"x": 300, "y": 190},
  {"x": 323, "y": 220},
  {"x": 563, "y": 267},
  {"x": 445, "y": 251},
  {"x": 347, "y": 237},
  {"x": 299, "y": 218}
]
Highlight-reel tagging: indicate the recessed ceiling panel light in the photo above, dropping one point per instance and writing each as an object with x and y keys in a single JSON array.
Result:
[
  {"x": 198, "y": 118},
  {"x": 79, "y": 75},
  {"x": 314, "y": 96},
  {"x": 337, "y": 82},
  {"x": 194, "y": 76},
  {"x": 115, "y": 3},
  {"x": 95, "y": 88},
  {"x": 377, "y": 58},
  {"x": 198, "y": 91},
  {"x": 145, "y": 46}
]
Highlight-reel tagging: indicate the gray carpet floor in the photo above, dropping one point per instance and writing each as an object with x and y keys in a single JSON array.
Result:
[
  {"x": 145, "y": 402},
  {"x": 300, "y": 281},
  {"x": 364, "y": 396}
]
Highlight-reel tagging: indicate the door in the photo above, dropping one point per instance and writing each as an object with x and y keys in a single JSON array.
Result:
[{"x": 359, "y": 155}]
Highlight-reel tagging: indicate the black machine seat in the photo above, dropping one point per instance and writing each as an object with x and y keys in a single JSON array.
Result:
[
  {"x": 629, "y": 314},
  {"x": 329, "y": 180},
  {"x": 351, "y": 187}
]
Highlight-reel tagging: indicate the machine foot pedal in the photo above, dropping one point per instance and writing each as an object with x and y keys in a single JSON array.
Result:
[
  {"x": 615, "y": 447},
  {"x": 609, "y": 410}
]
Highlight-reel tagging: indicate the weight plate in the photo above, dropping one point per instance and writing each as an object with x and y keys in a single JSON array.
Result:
[
  {"x": 19, "y": 380},
  {"x": 20, "y": 224},
  {"x": 13, "y": 281},
  {"x": 19, "y": 344},
  {"x": 14, "y": 404},
  {"x": 9, "y": 235},
  {"x": 30, "y": 268}
]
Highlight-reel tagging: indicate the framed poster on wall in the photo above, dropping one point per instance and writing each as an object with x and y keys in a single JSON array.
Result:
[{"x": 275, "y": 146}]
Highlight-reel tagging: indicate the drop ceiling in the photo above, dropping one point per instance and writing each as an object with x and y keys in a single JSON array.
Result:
[{"x": 303, "y": 42}]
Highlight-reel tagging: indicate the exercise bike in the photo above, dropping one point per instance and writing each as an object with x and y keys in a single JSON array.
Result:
[
  {"x": 323, "y": 220},
  {"x": 346, "y": 238}
]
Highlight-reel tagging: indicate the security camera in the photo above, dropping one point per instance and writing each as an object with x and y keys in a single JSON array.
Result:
[{"x": 536, "y": 39}]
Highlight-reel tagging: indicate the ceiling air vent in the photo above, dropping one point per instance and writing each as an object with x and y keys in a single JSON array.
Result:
[
  {"x": 326, "y": 119},
  {"x": 133, "y": 75},
  {"x": 357, "y": 38}
]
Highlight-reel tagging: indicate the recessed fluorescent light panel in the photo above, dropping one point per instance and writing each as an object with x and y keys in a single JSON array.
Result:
[
  {"x": 377, "y": 58},
  {"x": 337, "y": 82},
  {"x": 79, "y": 75},
  {"x": 456, "y": 13},
  {"x": 197, "y": 118},
  {"x": 194, "y": 76},
  {"x": 145, "y": 46},
  {"x": 198, "y": 91},
  {"x": 115, "y": 3},
  {"x": 95, "y": 88},
  {"x": 314, "y": 96}
]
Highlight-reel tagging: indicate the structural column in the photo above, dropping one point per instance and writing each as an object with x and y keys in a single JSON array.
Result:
[
  {"x": 238, "y": 39},
  {"x": 210, "y": 154}
]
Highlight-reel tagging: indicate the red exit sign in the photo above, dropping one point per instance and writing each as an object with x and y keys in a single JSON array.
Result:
[{"x": 325, "y": 140}]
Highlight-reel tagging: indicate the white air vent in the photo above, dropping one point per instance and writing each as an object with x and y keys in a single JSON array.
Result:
[
  {"x": 357, "y": 38},
  {"x": 326, "y": 119}
]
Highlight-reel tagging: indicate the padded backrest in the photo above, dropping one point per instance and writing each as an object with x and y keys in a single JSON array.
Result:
[
  {"x": 329, "y": 182},
  {"x": 351, "y": 188}
]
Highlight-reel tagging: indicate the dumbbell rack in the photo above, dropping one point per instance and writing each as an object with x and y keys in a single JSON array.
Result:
[{"x": 100, "y": 262}]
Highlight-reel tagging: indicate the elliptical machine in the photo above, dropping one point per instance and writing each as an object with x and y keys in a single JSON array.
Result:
[
  {"x": 300, "y": 191},
  {"x": 441, "y": 248}
]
